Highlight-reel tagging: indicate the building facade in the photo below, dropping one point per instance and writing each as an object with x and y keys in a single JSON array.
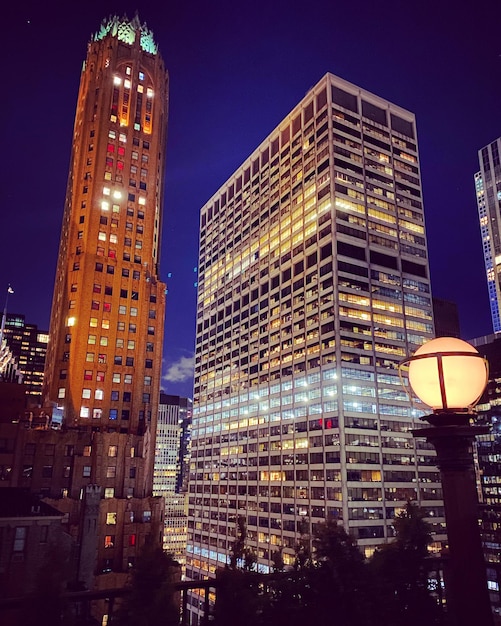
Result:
[
  {"x": 488, "y": 448},
  {"x": 313, "y": 285},
  {"x": 170, "y": 476},
  {"x": 29, "y": 347},
  {"x": 488, "y": 191},
  {"x": 104, "y": 356}
]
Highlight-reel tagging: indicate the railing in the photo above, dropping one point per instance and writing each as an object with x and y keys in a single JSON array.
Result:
[{"x": 81, "y": 601}]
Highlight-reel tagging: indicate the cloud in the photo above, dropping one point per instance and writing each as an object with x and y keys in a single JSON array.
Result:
[{"x": 181, "y": 370}]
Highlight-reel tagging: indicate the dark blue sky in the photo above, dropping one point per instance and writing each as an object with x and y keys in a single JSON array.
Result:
[{"x": 236, "y": 69}]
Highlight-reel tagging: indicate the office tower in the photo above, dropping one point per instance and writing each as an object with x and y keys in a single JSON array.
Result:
[
  {"x": 446, "y": 316},
  {"x": 488, "y": 190},
  {"x": 29, "y": 347},
  {"x": 105, "y": 348},
  {"x": 488, "y": 449},
  {"x": 171, "y": 470},
  {"x": 313, "y": 285}
]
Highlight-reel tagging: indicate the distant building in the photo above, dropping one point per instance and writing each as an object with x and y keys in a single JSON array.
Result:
[
  {"x": 29, "y": 347},
  {"x": 446, "y": 318},
  {"x": 489, "y": 460},
  {"x": 488, "y": 190},
  {"x": 171, "y": 470}
]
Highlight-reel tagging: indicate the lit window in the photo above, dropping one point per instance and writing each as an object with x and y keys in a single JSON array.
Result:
[
  {"x": 123, "y": 138},
  {"x": 61, "y": 392},
  {"x": 91, "y": 339},
  {"x": 127, "y": 83},
  {"x": 128, "y": 379},
  {"x": 97, "y": 413},
  {"x": 149, "y": 92},
  {"x": 101, "y": 236},
  {"x": 112, "y": 450},
  {"x": 117, "y": 81},
  {"x": 109, "y": 541},
  {"x": 113, "y": 414},
  {"x": 106, "y": 191},
  {"x": 105, "y": 324},
  {"x": 131, "y": 344},
  {"x": 117, "y": 195},
  {"x": 93, "y": 322},
  {"x": 87, "y": 374},
  {"x": 128, "y": 70},
  {"x": 142, "y": 200},
  {"x": 113, "y": 238},
  {"x": 85, "y": 393},
  {"x": 111, "y": 471},
  {"x": 71, "y": 321},
  {"x": 116, "y": 377},
  {"x": 140, "y": 88},
  {"x": 109, "y": 492},
  {"x": 116, "y": 209},
  {"x": 89, "y": 357},
  {"x": 101, "y": 358},
  {"x": 111, "y": 133},
  {"x": 99, "y": 394},
  {"x": 103, "y": 341},
  {"x": 84, "y": 411},
  {"x": 147, "y": 380},
  {"x": 111, "y": 518},
  {"x": 141, "y": 75},
  {"x": 100, "y": 377},
  {"x": 105, "y": 206}
]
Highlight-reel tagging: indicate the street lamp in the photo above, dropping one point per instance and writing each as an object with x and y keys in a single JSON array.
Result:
[{"x": 449, "y": 375}]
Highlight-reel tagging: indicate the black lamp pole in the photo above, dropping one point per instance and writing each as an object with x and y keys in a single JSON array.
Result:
[{"x": 467, "y": 596}]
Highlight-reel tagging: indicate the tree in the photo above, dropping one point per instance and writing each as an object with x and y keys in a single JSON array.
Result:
[
  {"x": 400, "y": 574},
  {"x": 152, "y": 599}
]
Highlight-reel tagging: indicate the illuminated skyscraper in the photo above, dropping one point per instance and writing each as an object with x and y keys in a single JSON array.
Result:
[
  {"x": 313, "y": 285},
  {"x": 488, "y": 190},
  {"x": 171, "y": 469},
  {"x": 105, "y": 348}
]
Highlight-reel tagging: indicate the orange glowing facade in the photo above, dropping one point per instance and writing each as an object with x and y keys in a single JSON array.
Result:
[
  {"x": 103, "y": 366},
  {"x": 104, "y": 356}
]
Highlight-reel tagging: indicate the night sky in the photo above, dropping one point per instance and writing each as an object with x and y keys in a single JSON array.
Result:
[{"x": 236, "y": 70}]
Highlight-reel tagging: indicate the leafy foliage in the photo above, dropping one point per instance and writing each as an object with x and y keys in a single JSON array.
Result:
[
  {"x": 333, "y": 584},
  {"x": 152, "y": 599}
]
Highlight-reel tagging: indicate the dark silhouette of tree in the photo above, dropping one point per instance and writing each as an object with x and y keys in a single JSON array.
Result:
[
  {"x": 47, "y": 606},
  {"x": 152, "y": 599},
  {"x": 400, "y": 574}
]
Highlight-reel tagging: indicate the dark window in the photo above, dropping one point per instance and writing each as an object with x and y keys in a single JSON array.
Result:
[{"x": 344, "y": 99}]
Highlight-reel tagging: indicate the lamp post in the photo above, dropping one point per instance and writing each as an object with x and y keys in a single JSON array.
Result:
[{"x": 449, "y": 375}]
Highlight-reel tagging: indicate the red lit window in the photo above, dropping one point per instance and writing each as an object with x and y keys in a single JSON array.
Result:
[
  {"x": 111, "y": 147},
  {"x": 132, "y": 540},
  {"x": 88, "y": 375},
  {"x": 120, "y": 165},
  {"x": 121, "y": 150},
  {"x": 109, "y": 162},
  {"x": 107, "y": 306},
  {"x": 112, "y": 254},
  {"x": 109, "y": 541}
]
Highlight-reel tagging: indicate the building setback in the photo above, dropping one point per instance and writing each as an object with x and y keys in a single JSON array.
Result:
[
  {"x": 313, "y": 285},
  {"x": 105, "y": 348},
  {"x": 488, "y": 190}
]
